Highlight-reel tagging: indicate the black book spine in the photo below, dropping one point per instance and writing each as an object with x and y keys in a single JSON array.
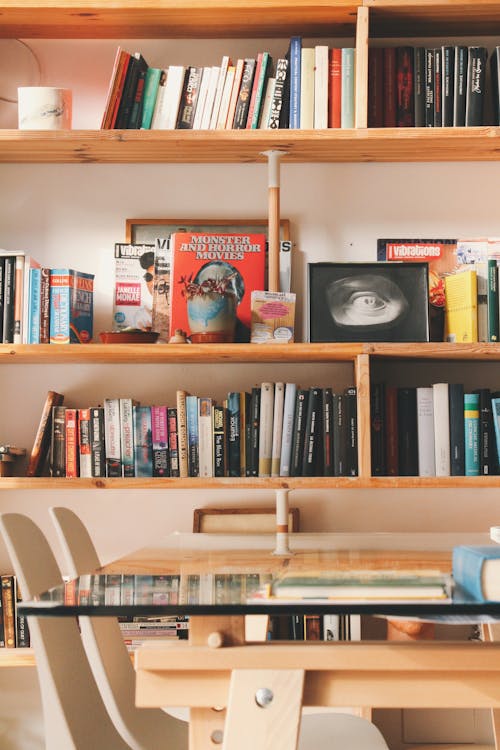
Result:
[
  {"x": 351, "y": 434},
  {"x": 457, "y": 429},
  {"x": 438, "y": 88},
  {"x": 339, "y": 446},
  {"x": 173, "y": 443},
  {"x": 327, "y": 423},
  {"x": 299, "y": 432},
  {"x": 58, "y": 442},
  {"x": 476, "y": 79},
  {"x": 219, "y": 417},
  {"x": 495, "y": 88},
  {"x": 419, "y": 85},
  {"x": 486, "y": 438},
  {"x": 189, "y": 97},
  {"x": 407, "y": 432},
  {"x": 312, "y": 463},
  {"x": 253, "y": 444},
  {"x": 135, "y": 116},
  {"x": 405, "y": 103},
  {"x": 460, "y": 88},
  {"x": 448, "y": 65},
  {"x": 377, "y": 429},
  {"x": 128, "y": 93},
  {"x": 2, "y": 298},
  {"x": 245, "y": 93},
  {"x": 97, "y": 447},
  {"x": 8, "y": 300},
  {"x": 429, "y": 88},
  {"x": 234, "y": 434}
]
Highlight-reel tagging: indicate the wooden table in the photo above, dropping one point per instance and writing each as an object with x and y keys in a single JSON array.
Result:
[{"x": 255, "y": 692}]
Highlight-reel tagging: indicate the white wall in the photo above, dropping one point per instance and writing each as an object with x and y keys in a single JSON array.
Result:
[{"x": 76, "y": 213}]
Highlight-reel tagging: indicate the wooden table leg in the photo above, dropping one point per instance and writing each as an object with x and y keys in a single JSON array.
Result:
[{"x": 206, "y": 726}]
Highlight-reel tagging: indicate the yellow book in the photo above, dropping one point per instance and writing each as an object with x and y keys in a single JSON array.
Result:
[{"x": 461, "y": 307}]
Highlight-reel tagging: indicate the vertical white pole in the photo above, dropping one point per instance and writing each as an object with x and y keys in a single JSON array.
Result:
[
  {"x": 273, "y": 162},
  {"x": 282, "y": 513}
]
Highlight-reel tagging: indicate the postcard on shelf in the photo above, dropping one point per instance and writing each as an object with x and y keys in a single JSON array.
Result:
[
  {"x": 133, "y": 293},
  {"x": 213, "y": 276},
  {"x": 368, "y": 302},
  {"x": 273, "y": 317}
]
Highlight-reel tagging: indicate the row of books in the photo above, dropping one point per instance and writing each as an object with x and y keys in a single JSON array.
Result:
[
  {"x": 309, "y": 87},
  {"x": 277, "y": 429},
  {"x": 312, "y": 627},
  {"x": 14, "y": 629},
  {"x": 428, "y": 86},
  {"x": 437, "y": 430},
  {"x": 43, "y": 305}
]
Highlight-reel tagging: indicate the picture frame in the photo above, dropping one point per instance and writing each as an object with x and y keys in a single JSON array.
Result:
[
  {"x": 146, "y": 230},
  {"x": 365, "y": 302}
]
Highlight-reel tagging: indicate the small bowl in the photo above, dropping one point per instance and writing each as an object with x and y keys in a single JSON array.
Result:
[{"x": 129, "y": 337}]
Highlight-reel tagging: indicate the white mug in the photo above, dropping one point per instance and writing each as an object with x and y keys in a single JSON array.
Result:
[{"x": 44, "y": 108}]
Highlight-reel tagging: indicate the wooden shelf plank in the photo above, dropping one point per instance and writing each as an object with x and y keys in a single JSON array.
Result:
[
  {"x": 157, "y": 19},
  {"x": 247, "y": 483},
  {"x": 236, "y": 146},
  {"x": 17, "y": 657},
  {"x": 175, "y": 353},
  {"x": 433, "y": 17}
]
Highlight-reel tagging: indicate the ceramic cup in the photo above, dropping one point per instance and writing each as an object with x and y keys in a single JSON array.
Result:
[{"x": 44, "y": 108}]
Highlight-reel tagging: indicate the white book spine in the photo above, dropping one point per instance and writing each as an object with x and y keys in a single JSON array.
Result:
[
  {"x": 167, "y": 118},
  {"x": 321, "y": 86},
  {"x": 202, "y": 97},
  {"x": 286, "y": 441},
  {"x": 127, "y": 436},
  {"x": 307, "y": 88},
  {"x": 218, "y": 92},
  {"x": 425, "y": 432},
  {"x": 156, "y": 122},
  {"x": 226, "y": 98},
  {"x": 442, "y": 450},
  {"x": 331, "y": 627},
  {"x": 266, "y": 105},
  {"x": 266, "y": 428},
  {"x": 279, "y": 401},
  {"x": 209, "y": 103},
  {"x": 112, "y": 435},
  {"x": 205, "y": 437}
]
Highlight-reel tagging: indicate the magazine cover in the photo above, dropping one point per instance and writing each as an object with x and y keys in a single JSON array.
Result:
[
  {"x": 134, "y": 276},
  {"x": 213, "y": 276}
]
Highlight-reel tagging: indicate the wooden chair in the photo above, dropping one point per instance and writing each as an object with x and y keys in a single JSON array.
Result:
[
  {"x": 74, "y": 714},
  {"x": 143, "y": 729}
]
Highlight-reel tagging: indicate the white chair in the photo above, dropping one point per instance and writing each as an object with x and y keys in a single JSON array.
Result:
[
  {"x": 74, "y": 715},
  {"x": 143, "y": 729}
]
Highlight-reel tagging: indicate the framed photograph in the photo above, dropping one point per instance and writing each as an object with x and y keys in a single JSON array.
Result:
[
  {"x": 368, "y": 302},
  {"x": 146, "y": 230}
]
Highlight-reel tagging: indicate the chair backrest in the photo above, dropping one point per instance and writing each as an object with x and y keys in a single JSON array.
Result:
[
  {"x": 144, "y": 729},
  {"x": 68, "y": 689}
]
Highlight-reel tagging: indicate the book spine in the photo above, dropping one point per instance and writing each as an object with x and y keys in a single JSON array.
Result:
[
  {"x": 495, "y": 415},
  {"x": 493, "y": 301},
  {"x": 407, "y": 432},
  {"x": 205, "y": 437},
  {"x": 18, "y": 299},
  {"x": 219, "y": 441},
  {"x": 173, "y": 443},
  {"x": 347, "y": 88},
  {"x": 159, "y": 437},
  {"x": 471, "y": 427},
  {"x": 112, "y": 431},
  {"x": 112, "y": 95},
  {"x": 2, "y": 295},
  {"x": 22, "y": 628},
  {"x": 495, "y": 87},
  {"x": 351, "y": 435},
  {"x": 253, "y": 434},
  {"x": 467, "y": 570},
  {"x": 57, "y": 447},
  {"x": 262, "y": 70},
  {"x": 243, "y": 102},
  {"x": 405, "y": 104},
  {"x": 192, "y": 436},
  {"x": 339, "y": 431},
  {"x": 60, "y": 305},
  {"x": 312, "y": 456},
  {"x": 335, "y": 88},
  {"x": 429, "y": 87},
  {"x": 391, "y": 432},
  {"x": 238, "y": 73},
  {"x": 295, "y": 81},
  {"x": 151, "y": 86},
  {"x": 127, "y": 436},
  {"x": 389, "y": 87},
  {"x": 135, "y": 117},
  {"x": 307, "y": 79},
  {"x": 182, "y": 440},
  {"x": 45, "y": 306},
  {"x": 225, "y": 62},
  {"x": 8, "y": 300},
  {"x": 143, "y": 444},
  {"x": 34, "y": 306},
  {"x": 42, "y": 440},
  {"x": 279, "y": 401},
  {"x": 460, "y": 89},
  {"x": 71, "y": 443},
  {"x": 8, "y": 610},
  {"x": 438, "y": 88},
  {"x": 299, "y": 425},
  {"x": 419, "y": 86},
  {"x": 377, "y": 429},
  {"x": 128, "y": 93},
  {"x": 486, "y": 454},
  {"x": 287, "y": 435},
  {"x": 457, "y": 429},
  {"x": 448, "y": 66},
  {"x": 189, "y": 98},
  {"x": 97, "y": 441},
  {"x": 442, "y": 449},
  {"x": 84, "y": 443},
  {"x": 266, "y": 429},
  {"x": 425, "y": 428},
  {"x": 244, "y": 422},
  {"x": 476, "y": 79},
  {"x": 321, "y": 68},
  {"x": 233, "y": 434},
  {"x": 327, "y": 424},
  {"x": 281, "y": 76}
]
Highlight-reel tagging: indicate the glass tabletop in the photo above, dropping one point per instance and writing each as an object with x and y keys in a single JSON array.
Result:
[{"x": 396, "y": 574}]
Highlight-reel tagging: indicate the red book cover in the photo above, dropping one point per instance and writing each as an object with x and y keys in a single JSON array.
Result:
[
  {"x": 405, "y": 111},
  {"x": 213, "y": 276},
  {"x": 334, "y": 87},
  {"x": 71, "y": 425},
  {"x": 390, "y": 87},
  {"x": 376, "y": 87}
]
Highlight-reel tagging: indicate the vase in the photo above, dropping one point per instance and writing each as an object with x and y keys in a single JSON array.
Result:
[{"x": 212, "y": 318}]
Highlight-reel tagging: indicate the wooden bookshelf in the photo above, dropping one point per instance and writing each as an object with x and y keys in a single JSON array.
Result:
[
  {"x": 17, "y": 657},
  {"x": 248, "y": 146}
]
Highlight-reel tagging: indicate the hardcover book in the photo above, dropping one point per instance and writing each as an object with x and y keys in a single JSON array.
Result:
[
  {"x": 134, "y": 277},
  {"x": 476, "y": 80},
  {"x": 213, "y": 276},
  {"x": 461, "y": 307},
  {"x": 41, "y": 444},
  {"x": 476, "y": 569},
  {"x": 368, "y": 302},
  {"x": 71, "y": 306},
  {"x": 58, "y": 442}
]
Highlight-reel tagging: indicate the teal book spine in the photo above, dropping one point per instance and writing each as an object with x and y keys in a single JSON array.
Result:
[
  {"x": 468, "y": 568},
  {"x": 151, "y": 86},
  {"x": 471, "y": 429},
  {"x": 347, "y": 88},
  {"x": 34, "y": 306}
]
